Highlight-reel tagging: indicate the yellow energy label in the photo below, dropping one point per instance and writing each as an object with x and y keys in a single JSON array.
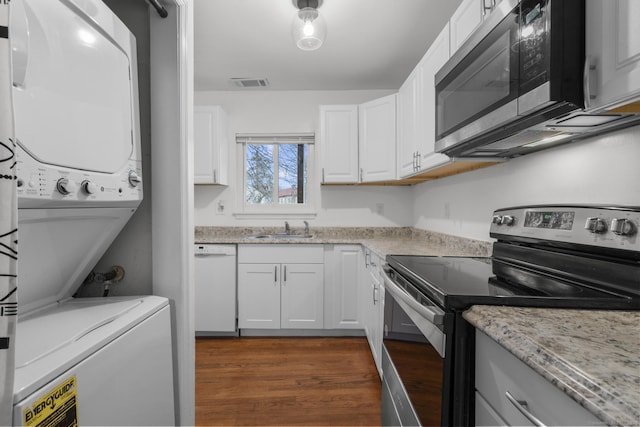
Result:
[{"x": 57, "y": 408}]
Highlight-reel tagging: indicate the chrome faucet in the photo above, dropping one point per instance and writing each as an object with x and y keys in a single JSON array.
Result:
[
  {"x": 287, "y": 230},
  {"x": 306, "y": 228}
]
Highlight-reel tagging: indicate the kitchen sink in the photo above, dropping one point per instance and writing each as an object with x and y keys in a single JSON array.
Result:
[{"x": 281, "y": 236}]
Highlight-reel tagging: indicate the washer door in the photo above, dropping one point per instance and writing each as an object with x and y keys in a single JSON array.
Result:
[{"x": 73, "y": 89}]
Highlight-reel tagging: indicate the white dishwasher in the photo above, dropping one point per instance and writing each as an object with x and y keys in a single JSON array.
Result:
[{"x": 215, "y": 294}]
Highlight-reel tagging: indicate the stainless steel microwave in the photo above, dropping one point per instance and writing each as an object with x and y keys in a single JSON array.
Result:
[{"x": 516, "y": 85}]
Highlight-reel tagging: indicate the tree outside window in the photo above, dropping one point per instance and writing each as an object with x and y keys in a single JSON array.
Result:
[{"x": 276, "y": 174}]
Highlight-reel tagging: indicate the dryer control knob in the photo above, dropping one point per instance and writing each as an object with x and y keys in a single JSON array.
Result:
[
  {"x": 497, "y": 219},
  {"x": 65, "y": 186},
  {"x": 89, "y": 187},
  {"x": 134, "y": 179},
  {"x": 623, "y": 227}
]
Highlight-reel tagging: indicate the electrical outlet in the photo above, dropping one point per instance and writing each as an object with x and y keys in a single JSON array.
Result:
[{"x": 220, "y": 208}]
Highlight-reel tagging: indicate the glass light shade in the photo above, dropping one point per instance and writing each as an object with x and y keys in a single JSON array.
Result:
[{"x": 309, "y": 29}]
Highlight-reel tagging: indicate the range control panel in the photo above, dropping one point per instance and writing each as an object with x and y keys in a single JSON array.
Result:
[
  {"x": 610, "y": 227},
  {"x": 43, "y": 186}
]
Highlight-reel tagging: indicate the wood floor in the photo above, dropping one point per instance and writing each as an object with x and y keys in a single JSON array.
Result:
[{"x": 286, "y": 381}]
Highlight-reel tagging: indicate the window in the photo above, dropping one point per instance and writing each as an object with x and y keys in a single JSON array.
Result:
[{"x": 276, "y": 171}]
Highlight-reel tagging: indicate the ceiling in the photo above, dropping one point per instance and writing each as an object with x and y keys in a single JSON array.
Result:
[{"x": 370, "y": 44}]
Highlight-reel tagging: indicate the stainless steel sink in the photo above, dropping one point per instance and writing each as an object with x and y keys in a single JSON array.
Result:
[{"x": 281, "y": 236}]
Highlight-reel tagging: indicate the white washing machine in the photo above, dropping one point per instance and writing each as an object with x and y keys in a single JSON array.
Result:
[{"x": 80, "y": 361}]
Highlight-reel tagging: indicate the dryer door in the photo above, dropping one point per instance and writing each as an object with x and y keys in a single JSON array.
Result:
[{"x": 75, "y": 92}]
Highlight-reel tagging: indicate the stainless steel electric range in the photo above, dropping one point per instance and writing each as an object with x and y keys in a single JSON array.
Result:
[{"x": 585, "y": 257}]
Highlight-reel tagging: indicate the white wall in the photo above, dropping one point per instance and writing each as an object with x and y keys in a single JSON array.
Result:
[
  {"x": 600, "y": 170},
  {"x": 132, "y": 247},
  {"x": 296, "y": 111}
]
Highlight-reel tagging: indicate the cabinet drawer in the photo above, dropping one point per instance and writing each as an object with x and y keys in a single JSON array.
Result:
[
  {"x": 285, "y": 253},
  {"x": 499, "y": 372}
]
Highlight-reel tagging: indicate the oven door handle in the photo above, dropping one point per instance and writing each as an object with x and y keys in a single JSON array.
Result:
[{"x": 432, "y": 314}]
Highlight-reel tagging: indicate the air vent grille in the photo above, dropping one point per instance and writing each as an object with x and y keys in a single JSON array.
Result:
[{"x": 249, "y": 82}]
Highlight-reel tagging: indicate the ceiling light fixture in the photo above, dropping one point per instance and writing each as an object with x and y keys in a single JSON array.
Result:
[{"x": 309, "y": 29}]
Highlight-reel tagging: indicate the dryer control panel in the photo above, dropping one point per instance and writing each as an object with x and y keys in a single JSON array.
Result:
[{"x": 49, "y": 186}]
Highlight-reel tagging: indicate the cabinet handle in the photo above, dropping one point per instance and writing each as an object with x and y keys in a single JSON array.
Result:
[
  {"x": 323, "y": 175},
  {"x": 275, "y": 274},
  {"x": 521, "y": 405},
  {"x": 215, "y": 177},
  {"x": 486, "y": 8},
  {"x": 417, "y": 161},
  {"x": 586, "y": 82},
  {"x": 366, "y": 254},
  {"x": 284, "y": 276},
  {"x": 361, "y": 174}
]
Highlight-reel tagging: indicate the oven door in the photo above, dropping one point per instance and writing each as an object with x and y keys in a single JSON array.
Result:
[{"x": 412, "y": 358}]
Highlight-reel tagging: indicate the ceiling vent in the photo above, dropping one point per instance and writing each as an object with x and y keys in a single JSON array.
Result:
[{"x": 249, "y": 83}]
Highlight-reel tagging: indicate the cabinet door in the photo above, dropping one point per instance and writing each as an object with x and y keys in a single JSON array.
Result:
[
  {"x": 407, "y": 123},
  {"x": 210, "y": 145},
  {"x": 342, "y": 277},
  {"x": 259, "y": 296},
  {"x": 464, "y": 21},
  {"x": 374, "y": 334},
  {"x": 377, "y": 125},
  {"x": 433, "y": 60},
  {"x": 302, "y": 297},
  {"x": 613, "y": 49},
  {"x": 339, "y": 143}
]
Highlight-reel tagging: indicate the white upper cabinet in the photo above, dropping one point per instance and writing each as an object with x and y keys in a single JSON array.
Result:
[
  {"x": 339, "y": 144},
  {"x": 464, "y": 21},
  {"x": 417, "y": 112},
  {"x": 613, "y": 52},
  {"x": 407, "y": 125},
  {"x": 377, "y": 127},
  {"x": 433, "y": 60},
  {"x": 211, "y": 146}
]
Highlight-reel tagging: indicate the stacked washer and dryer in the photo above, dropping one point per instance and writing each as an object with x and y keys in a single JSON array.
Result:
[{"x": 86, "y": 361}]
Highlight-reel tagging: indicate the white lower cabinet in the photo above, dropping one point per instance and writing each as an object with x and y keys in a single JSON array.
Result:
[
  {"x": 302, "y": 296},
  {"x": 509, "y": 392},
  {"x": 342, "y": 283},
  {"x": 280, "y": 286},
  {"x": 372, "y": 304}
]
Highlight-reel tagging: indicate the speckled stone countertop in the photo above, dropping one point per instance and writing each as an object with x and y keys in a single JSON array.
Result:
[
  {"x": 593, "y": 356},
  {"x": 381, "y": 240}
]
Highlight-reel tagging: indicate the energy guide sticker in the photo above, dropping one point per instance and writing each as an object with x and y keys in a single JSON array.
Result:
[{"x": 57, "y": 408}]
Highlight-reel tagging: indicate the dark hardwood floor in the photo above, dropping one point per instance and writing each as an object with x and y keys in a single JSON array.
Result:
[{"x": 286, "y": 381}]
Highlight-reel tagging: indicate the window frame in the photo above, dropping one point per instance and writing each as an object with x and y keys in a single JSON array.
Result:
[{"x": 276, "y": 210}]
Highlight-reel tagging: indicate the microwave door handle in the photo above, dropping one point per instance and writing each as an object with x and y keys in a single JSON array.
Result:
[
  {"x": 433, "y": 316},
  {"x": 589, "y": 95}
]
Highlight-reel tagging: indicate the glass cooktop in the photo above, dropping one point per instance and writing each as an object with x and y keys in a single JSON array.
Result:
[{"x": 459, "y": 282}]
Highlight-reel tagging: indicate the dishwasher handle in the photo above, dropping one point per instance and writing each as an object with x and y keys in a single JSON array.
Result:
[
  {"x": 433, "y": 314},
  {"x": 214, "y": 250}
]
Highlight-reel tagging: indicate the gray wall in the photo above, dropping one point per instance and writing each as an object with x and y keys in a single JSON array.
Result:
[{"x": 132, "y": 248}]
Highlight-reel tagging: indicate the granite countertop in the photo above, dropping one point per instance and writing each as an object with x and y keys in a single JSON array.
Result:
[
  {"x": 593, "y": 356},
  {"x": 381, "y": 240}
]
